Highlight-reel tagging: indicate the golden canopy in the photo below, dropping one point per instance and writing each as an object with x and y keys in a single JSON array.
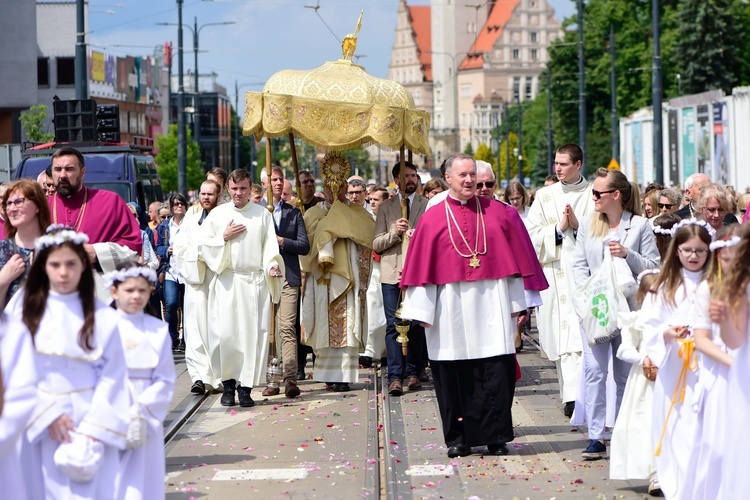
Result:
[{"x": 337, "y": 106}]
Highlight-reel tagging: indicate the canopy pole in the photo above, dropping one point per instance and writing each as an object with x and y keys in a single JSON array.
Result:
[
  {"x": 411, "y": 157},
  {"x": 297, "y": 184},
  {"x": 402, "y": 181},
  {"x": 269, "y": 189}
]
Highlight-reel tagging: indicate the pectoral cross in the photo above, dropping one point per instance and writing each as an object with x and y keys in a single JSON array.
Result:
[{"x": 474, "y": 262}]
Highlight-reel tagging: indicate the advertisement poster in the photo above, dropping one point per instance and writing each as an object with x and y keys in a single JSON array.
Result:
[
  {"x": 637, "y": 134},
  {"x": 720, "y": 173},
  {"x": 703, "y": 139},
  {"x": 688, "y": 142},
  {"x": 674, "y": 164}
]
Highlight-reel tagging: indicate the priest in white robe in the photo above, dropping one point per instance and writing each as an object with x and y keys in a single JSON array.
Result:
[
  {"x": 238, "y": 243},
  {"x": 199, "y": 344},
  {"x": 467, "y": 300},
  {"x": 552, "y": 222},
  {"x": 18, "y": 397}
]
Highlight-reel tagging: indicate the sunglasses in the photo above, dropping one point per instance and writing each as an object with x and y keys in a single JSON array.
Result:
[
  {"x": 176, "y": 203},
  {"x": 598, "y": 194},
  {"x": 489, "y": 184},
  {"x": 665, "y": 205}
]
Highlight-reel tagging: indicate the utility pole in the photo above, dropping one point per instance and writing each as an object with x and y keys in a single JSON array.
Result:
[
  {"x": 181, "y": 140},
  {"x": 507, "y": 143},
  {"x": 196, "y": 98},
  {"x": 520, "y": 140},
  {"x": 581, "y": 89},
  {"x": 657, "y": 96},
  {"x": 237, "y": 127},
  {"x": 615, "y": 122},
  {"x": 81, "y": 73},
  {"x": 549, "y": 122}
]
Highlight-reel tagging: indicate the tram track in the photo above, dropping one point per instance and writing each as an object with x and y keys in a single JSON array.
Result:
[{"x": 182, "y": 414}]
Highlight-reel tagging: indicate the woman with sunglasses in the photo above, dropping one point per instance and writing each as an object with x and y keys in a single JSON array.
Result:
[
  {"x": 614, "y": 228},
  {"x": 26, "y": 218},
  {"x": 174, "y": 283},
  {"x": 668, "y": 201}
]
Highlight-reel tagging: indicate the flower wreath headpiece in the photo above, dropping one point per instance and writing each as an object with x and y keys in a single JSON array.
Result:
[
  {"x": 728, "y": 243},
  {"x": 113, "y": 277},
  {"x": 644, "y": 273},
  {"x": 662, "y": 230},
  {"x": 57, "y": 234},
  {"x": 693, "y": 222}
]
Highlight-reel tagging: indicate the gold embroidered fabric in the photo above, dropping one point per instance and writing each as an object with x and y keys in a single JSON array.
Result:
[{"x": 337, "y": 106}]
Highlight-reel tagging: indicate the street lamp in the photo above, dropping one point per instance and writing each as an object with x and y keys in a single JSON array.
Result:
[
  {"x": 195, "y": 30},
  {"x": 455, "y": 92}
]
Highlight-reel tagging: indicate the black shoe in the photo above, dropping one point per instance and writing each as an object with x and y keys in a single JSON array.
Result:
[
  {"x": 497, "y": 449},
  {"x": 383, "y": 362},
  {"x": 460, "y": 450},
  {"x": 198, "y": 388},
  {"x": 365, "y": 361},
  {"x": 343, "y": 387},
  {"x": 227, "y": 398},
  {"x": 568, "y": 409},
  {"x": 244, "y": 394}
]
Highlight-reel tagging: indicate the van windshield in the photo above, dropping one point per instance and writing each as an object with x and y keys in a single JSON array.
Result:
[{"x": 121, "y": 188}]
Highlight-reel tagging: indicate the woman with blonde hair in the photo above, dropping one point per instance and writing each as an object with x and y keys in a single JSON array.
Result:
[{"x": 615, "y": 229}]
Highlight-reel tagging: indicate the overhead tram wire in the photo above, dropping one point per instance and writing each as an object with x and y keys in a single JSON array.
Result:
[{"x": 316, "y": 7}]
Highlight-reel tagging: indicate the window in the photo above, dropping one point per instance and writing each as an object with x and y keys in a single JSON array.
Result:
[
  {"x": 471, "y": 27},
  {"x": 533, "y": 55},
  {"x": 533, "y": 36},
  {"x": 42, "y": 71},
  {"x": 516, "y": 86},
  {"x": 66, "y": 70},
  {"x": 515, "y": 53},
  {"x": 528, "y": 89},
  {"x": 466, "y": 90}
]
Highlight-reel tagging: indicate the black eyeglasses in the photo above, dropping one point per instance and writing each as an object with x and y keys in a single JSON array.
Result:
[
  {"x": 598, "y": 194},
  {"x": 179, "y": 203},
  {"x": 18, "y": 203},
  {"x": 489, "y": 184},
  {"x": 665, "y": 205},
  {"x": 357, "y": 192}
]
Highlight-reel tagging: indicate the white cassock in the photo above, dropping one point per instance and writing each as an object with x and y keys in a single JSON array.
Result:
[
  {"x": 241, "y": 293},
  {"x": 673, "y": 465},
  {"x": 631, "y": 454},
  {"x": 736, "y": 464},
  {"x": 198, "y": 279},
  {"x": 712, "y": 404},
  {"x": 559, "y": 331},
  {"x": 375, "y": 343},
  {"x": 19, "y": 399},
  {"x": 148, "y": 354},
  {"x": 88, "y": 386}
]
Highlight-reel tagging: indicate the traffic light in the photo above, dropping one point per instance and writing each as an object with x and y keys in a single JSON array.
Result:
[
  {"x": 108, "y": 123},
  {"x": 75, "y": 120}
]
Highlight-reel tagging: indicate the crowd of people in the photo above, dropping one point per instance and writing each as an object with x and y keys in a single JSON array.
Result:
[{"x": 433, "y": 282}]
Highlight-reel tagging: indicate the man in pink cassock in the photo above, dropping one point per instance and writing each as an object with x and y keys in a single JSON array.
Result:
[
  {"x": 464, "y": 279},
  {"x": 113, "y": 232}
]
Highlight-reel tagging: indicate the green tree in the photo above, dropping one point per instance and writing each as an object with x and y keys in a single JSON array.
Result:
[
  {"x": 32, "y": 123},
  {"x": 484, "y": 153},
  {"x": 469, "y": 149},
  {"x": 166, "y": 161},
  {"x": 503, "y": 171},
  {"x": 711, "y": 39}
]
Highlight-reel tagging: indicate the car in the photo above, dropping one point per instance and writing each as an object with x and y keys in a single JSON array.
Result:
[{"x": 126, "y": 169}]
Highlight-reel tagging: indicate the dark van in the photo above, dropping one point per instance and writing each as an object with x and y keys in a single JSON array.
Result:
[{"x": 125, "y": 169}]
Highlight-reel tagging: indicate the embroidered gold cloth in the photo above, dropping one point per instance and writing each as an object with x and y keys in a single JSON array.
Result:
[{"x": 337, "y": 106}]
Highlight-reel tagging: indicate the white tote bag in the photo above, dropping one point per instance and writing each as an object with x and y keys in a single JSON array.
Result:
[{"x": 597, "y": 302}]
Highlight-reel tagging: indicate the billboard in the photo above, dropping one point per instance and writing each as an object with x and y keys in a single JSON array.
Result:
[
  {"x": 720, "y": 173},
  {"x": 674, "y": 158},
  {"x": 703, "y": 139},
  {"x": 688, "y": 142}
]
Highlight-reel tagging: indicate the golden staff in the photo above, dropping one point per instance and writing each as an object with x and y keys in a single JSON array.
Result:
[
  {"x": 295, "y": 165},
  {"x": 274, "y": 372},
  {"x": 403, "y": 325}
]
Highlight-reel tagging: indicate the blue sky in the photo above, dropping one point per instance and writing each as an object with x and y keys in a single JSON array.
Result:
[{"x": 269, "y": 35}]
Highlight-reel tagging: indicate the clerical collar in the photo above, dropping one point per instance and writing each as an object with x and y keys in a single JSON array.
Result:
[
  {"x": 580, "y": 180},
  {"x": 457, "y": 201}
]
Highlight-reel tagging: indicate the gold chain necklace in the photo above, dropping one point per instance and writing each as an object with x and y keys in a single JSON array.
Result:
[
  {"x": 474, "y": 262},
  {"x": 79, "y": 219}
]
